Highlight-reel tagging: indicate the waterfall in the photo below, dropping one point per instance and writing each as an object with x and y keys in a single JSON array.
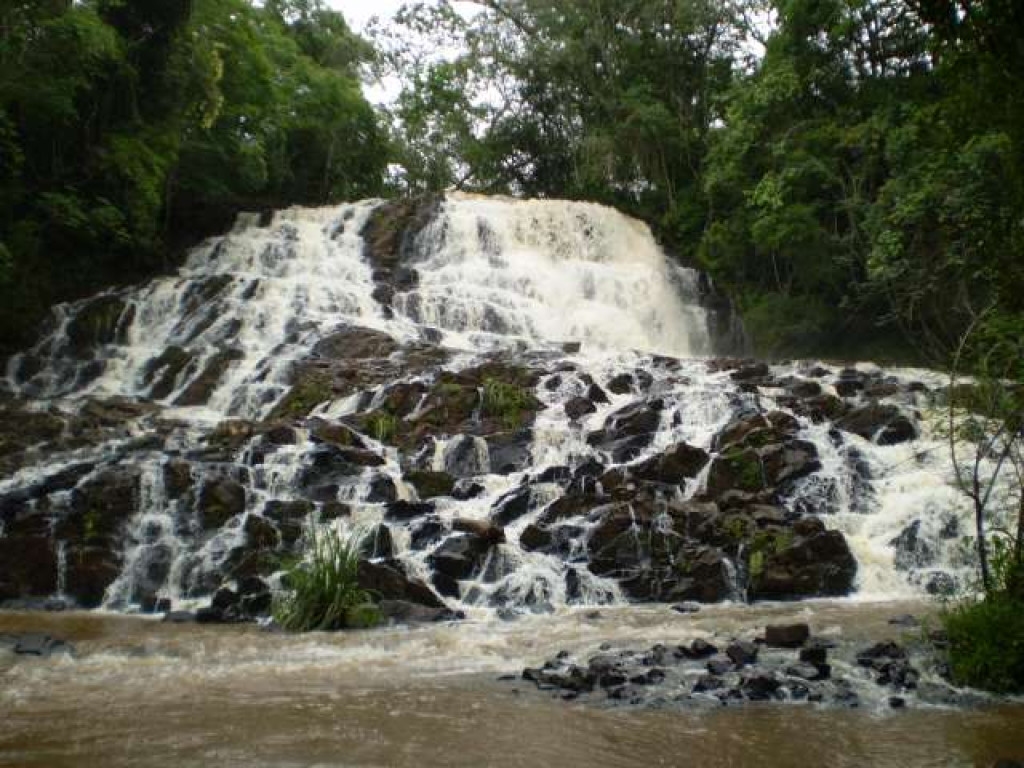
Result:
[{"x": 287, "y": 374}]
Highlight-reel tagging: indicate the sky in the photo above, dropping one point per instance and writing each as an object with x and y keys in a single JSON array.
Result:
[{"x": 358, "y": 12}]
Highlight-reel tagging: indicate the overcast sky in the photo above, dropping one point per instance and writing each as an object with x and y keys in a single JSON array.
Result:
[{"x": 358, "y": 12}]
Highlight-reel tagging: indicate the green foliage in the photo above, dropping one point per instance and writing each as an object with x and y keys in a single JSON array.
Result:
[
  {"x": 323, "y": 590},
  {"x": 312, "y": 389},
  {"x": 986, "y": 643},
  {"x": 506, "y": 401},
  {"x": 382, "y": 426},
  {"x": 129, "y": 129}
]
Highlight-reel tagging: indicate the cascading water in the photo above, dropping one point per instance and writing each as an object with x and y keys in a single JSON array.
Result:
[{"x": 538, "y": 357}]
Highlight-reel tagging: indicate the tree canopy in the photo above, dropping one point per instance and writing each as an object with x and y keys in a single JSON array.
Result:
[
  {"x": 129, "y": 127},
  {"x": 849, "y": 171}
]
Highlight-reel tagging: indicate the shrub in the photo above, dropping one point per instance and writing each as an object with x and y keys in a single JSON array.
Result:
[
  {"x": 986, "y": 634},
  {"x": 324, "y": 591},
  {"x": 986, "y": 643}
]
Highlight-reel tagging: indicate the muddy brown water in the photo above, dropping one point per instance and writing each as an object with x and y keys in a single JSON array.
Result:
[{"x": 142, "y": 693}]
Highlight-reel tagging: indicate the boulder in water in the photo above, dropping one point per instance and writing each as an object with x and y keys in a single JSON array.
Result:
[
  {"x": 884, "y": 424},
  {"x": 220, "y": 499},
  {"x": 786, "y": 635},
  {"x": 788, "y": 567},
  {"x": 578, "y": 407},
  {"x": 674, "y": 466}
]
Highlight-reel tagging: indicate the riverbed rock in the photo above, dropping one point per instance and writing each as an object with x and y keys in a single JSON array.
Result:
[{"x": 786, "y": 635}]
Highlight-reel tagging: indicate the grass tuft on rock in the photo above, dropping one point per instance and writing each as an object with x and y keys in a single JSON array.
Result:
[
  {"x": 323, "y": 590},
  {"x": 506, "y": 401}
]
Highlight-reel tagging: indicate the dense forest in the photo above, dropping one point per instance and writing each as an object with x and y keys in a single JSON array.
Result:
[
  {"x": 850, "y": 171},
  {"x": 129, "y": 129}
]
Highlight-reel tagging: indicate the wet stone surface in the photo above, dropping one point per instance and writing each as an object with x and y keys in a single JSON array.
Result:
[{"x": 726, "y": 671}]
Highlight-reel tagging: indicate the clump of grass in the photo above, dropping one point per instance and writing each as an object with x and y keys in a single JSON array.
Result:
[
  {"x": 324, "y": 591},
  {"x": 382, "y": 426},
  {"x": 505, "y": 401}
]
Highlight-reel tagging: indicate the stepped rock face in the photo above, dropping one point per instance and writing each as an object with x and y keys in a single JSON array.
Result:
[{"x": 514, "y": 400}]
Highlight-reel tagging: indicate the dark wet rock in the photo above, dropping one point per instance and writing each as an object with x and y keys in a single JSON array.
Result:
[
  {"x": 810, "y": 672},
  {"x": 786, "y": 635},
  {"x": 509, "y": 452},
  {"x": 803, "y": 388},
  {"x": 686, "y": 607},
  {"x": 511, "y": 506},
  {"x": 912, "y": 549},
  {"x": 760, "y": 687},
  {"x": 940, "y": 583},
  {"x": 429, "y": 485},
  {"x": 751, "y": 371},
  {"x": 290, "y": 517},
  {"x": 742, "y": 653},
  {"x": 706, "y": 683},
  {"x": 621, "y": 384},
  {"x": 334, "y": 510},
  {"x": 650, "y": 677},
  {"x": 94, "y": 324},
  {"x": 199, "y": 390},
  {"x": 280, "y": 434},
  {"x": 569, "y": 506},
  {"x": 465, "y": 490},
  {"x": 466, "y": 456},
  {"x": 334, "y": 433},
  {"x": 220, "y": 499},
  {"x": 229, "y": 436},
  {"x": 674, "y": 466},
  {"x": 697, "y": 649},
  {"x": 484, "y": 531},
  {"x": 425, "y": 532},
  {"x": 407, "y": 510},
  {"x": 628, "y": 431},
  {"x": 39, "y": 644},
  {"x": 817, "y": 565},
  {"x": 884, "y": 424},
  {"x": 260, "y": 533},
  {"x": 178, "y": 479},
  {"x": 460, "y": 556},
  {"x": 405, "y": 612},
  {"x": 328, "y": 463},
  {"x": 814, "y": 654},
  {"x": 886, "y": 650},
  {"x": 719, "y": 665},
  {"x": 534, "y": 538},
  {"x": 164, "y": 370},
  {"x": 150, "y": 571},
  {"x": 388, "y": 580},
  {"x": 557, "y": 474},
  {"x": 597, "y": 395},
  {"x": 355, "y": 343},
  {"x": 578, "y": 407},
  {"x": 381, "y": 489},
  {"x": 377, "y": 543}
]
